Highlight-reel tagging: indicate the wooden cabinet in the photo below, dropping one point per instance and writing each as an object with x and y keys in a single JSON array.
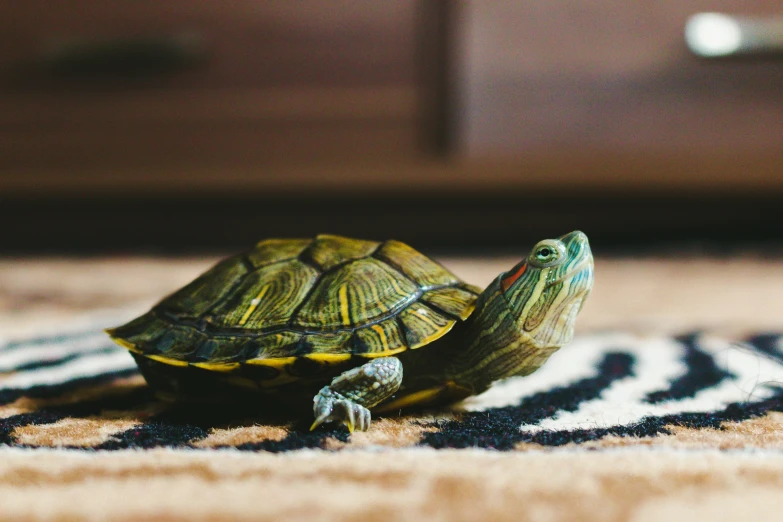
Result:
[
  {"x": 179, "y": 96},
  {"x": 173, "y": 124},
  {"x": 105, "y": 89},
  {"x": 608, "y": 95}
]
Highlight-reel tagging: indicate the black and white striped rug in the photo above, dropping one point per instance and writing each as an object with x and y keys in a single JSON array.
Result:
[{"x": 76, "y": 390}]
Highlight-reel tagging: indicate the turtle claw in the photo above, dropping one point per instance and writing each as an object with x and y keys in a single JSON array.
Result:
[
  {"x": 356, "y": 417},
  {"x": 330, "y": 406}
]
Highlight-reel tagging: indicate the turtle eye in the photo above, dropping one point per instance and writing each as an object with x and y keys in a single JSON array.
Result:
[{"x": 546, "y": 254}]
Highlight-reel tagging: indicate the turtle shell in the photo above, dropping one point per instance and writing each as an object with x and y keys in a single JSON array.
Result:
[{"x": 325, "y": 301}]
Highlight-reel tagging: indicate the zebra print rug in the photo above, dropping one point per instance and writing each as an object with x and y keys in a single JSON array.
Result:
[{"x": 77, "y": 391}]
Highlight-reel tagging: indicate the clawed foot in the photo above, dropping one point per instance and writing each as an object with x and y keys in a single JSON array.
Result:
[
  {"x": 351, "y": 393},
  {"x": 330, "y": 406}
]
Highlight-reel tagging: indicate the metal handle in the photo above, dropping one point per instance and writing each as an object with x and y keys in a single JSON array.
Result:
[
  {"x": 131, "y": 56},
  {"x": 713, "y": 35}
]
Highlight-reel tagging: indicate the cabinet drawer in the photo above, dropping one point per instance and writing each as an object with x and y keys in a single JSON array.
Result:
[
  {"x": 240, "y": 43},
  {"x": 611, "y": 76},
  {"x": 96, "y": 85},
  {"x": 222, "y": 127}
]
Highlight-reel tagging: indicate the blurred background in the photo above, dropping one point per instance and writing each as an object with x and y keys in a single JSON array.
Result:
[{"x": 458, "y": 126}]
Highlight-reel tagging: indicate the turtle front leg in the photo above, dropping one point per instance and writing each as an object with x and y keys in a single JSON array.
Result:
[{"x": 353, "y": 392}]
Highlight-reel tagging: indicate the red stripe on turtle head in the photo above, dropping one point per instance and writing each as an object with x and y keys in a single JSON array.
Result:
[{"x": 510, "y": 279}]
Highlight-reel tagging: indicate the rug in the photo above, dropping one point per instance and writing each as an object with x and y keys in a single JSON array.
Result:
[
  {"x": 79, "y": 391},
  {"x": 624, "y": 423}
]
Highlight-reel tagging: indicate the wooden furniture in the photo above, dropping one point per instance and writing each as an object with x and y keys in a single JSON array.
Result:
[
  {"x": 122, "y": 92},
  {"x": 172, "y": 125},
  {"x": 611, "y": 88}
]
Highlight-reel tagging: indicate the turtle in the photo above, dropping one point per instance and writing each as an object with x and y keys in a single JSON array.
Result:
[{"x": 355, "y": 326}]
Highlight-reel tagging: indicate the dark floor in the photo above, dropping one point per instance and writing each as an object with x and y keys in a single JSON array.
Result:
[{"x": 437, "y": 223}]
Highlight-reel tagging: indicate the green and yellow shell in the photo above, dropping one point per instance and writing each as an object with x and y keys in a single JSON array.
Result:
[{"x": 290, "y": 305}]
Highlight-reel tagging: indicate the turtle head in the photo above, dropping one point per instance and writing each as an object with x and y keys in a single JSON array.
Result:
[{"x": 547, "y": 289}]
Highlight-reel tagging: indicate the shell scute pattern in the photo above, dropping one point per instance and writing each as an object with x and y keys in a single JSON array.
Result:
[
  {"x": 329, "y": 251},
  {"x": 355, "y": 294},
  {"x": 272, "y": 251},
  {"x": 328, "y": 343},
  {"x": 423, "y": 324},
  {"x": 380, "y": 339},
  {"x": 179, "y": 342},
  {"x": 326, "y": 300},
  {"x": 266, "y": 297},
  {"x": 223, "y": 349},
  {"x": 274, "y": 346},
  {"x": 140, "y": 332},
  {"x": 415, "y": 265},
  {"x": 453, "y": 300},
  {"x": 194, "y": 299}
]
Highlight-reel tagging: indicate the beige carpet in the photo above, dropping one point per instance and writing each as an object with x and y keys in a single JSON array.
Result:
[{"x": 666, "y": 406}]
